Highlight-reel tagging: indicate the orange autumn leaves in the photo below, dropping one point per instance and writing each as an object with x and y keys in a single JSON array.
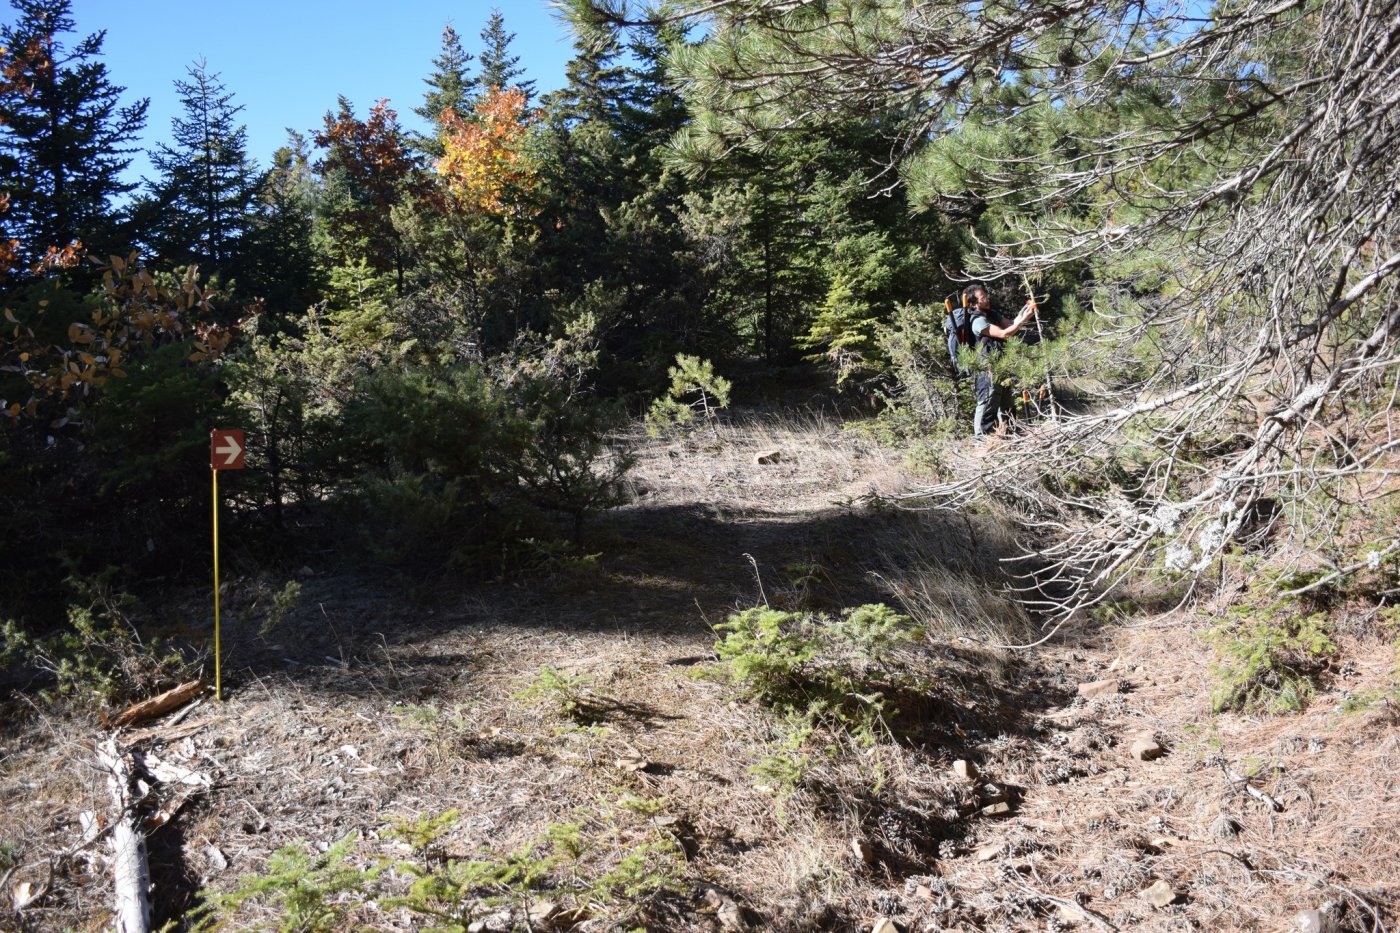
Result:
[{"x": 482, "y": 164}]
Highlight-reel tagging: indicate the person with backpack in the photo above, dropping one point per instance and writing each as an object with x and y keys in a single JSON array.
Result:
[{"x": 990, "y": 330}]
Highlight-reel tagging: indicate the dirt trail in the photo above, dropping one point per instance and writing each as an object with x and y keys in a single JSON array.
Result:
[{"x": 372, "y": 705}]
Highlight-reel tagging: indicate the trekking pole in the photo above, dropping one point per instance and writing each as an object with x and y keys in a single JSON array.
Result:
[{"x": 1040, "y": 338}]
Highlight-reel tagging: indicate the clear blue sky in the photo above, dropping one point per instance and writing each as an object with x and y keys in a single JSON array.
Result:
[{"x": 286, "y": 61}]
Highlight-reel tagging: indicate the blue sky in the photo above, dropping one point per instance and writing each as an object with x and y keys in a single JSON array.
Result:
[{"x": 286, "y": 61}]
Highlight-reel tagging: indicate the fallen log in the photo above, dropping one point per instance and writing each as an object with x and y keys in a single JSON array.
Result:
[
  {"x": 158, "y": 705},
  {"x": 131, "y": 873}
]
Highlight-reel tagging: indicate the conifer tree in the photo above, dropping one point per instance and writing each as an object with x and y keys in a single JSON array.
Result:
[
  {"x": 451, "y": 88},
  {"x": 201, "y": 203},
  {"x": 281, "y": 264},
  {"x": 65, "y": 139},
  {"x": 498, "y": 66}
]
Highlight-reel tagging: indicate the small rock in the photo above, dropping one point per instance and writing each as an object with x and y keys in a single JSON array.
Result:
[
  {"x": 923, "y": 892},
  {"x": 729, "y": 913},
  {"x": 1159, "y": 895},
  {"x": 217, "y": 861},
  {"x": 767, "y": 457},
  {"x": 863, "y": 850},
  {"x": 542, "y": 913},
  {"x": 731, "y": 917},
  {"x": 1314, "y": 921},
  {"x": 997, "y": 809},
  {"x": 1145, "y": 748},
  {"x": 987, "y": 853},
  {"x": 884, "y": 925},
  {"x": 306, "y": 572},
  {"x": 965, "y": 770},
  {"x": 1098, "y": 688}
]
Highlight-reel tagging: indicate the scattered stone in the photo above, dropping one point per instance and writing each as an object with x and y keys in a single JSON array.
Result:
[
  {"x": 864, "y": 851},
  {"x": 542, "y": 913},
  {"x": 1160, "y": 895},
  {"x": 217, "y": 861},
  {"x": 987, "y": 853},
  {"x": 305, "y": 572},
  {"x": 965, "y": 770},
  {"x": 1315, "y": 921},
  {"x": 1145, "y": 748},
  {"x": 729, "y": 913},
  {"x": 991, "y": 793},
  {"x": 884, "y": 925},
  {"x": 767, "y": 457},
  {"x": 923, "y": 892},
  {"x": 1099, "y": 688},
  {"x": 997, "y": 809}
]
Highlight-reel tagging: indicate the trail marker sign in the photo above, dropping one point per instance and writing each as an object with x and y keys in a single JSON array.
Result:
[{"x": 226, "y": 449}]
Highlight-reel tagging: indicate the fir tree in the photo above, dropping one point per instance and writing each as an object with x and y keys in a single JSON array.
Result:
[
  {"x": 498, "y": 66},
  {"x": 64, "y": 138},
  {"x": 207, "y": 186},
  {"x": 451, "y": 89}
]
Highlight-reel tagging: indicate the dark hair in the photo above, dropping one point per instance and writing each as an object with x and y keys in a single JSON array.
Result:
[{"x": 971, "y": 292}]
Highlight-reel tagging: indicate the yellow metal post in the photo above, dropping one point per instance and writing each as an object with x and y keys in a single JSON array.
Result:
[{"x": 218, "y": 680}]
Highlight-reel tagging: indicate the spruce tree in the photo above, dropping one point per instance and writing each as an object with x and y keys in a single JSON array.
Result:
[
  {"x": 65, "y": 139},
  {"x": 207, "y": 187},
  {"x": 498, "y": 66},
  {"x": 451, "y": 89}
]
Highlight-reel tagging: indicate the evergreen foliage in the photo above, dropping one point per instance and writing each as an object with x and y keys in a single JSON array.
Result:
[
  {"x": 201, "y": 207},
  {"x": 451, "y": 88},
  {"x": 498, "y": 68},
  {"x": 65, "y": 137}
]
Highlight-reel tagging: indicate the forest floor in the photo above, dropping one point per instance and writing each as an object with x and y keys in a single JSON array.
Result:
[{"x": 577, "y": 721}]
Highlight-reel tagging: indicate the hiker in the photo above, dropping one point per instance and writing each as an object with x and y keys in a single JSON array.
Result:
[{"x": 990, "y": 330}]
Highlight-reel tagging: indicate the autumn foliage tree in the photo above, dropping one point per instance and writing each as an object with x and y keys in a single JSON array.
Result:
[
  {"x": 368, "y": 170},
  {"x": 482, "y": 163}
]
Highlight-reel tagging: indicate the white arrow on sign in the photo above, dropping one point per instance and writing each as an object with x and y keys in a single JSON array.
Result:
[{"x": 229, "y": 448}]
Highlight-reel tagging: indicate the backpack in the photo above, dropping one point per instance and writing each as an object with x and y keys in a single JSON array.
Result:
[{"x": 957, "y": 324}]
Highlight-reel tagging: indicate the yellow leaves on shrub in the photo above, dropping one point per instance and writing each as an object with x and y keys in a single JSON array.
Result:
[
  {"x": 482, "y": 164},
  {"x": 136, "y": 313}
]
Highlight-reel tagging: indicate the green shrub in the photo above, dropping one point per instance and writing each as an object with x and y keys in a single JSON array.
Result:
[
  {"x": 100, "y": 652},
  {"x": 1268, "y": 659},
  {"x": 309, "y": 893},
  {"x": 817, "y": 673},
  {"x": 695, "y": 392}
]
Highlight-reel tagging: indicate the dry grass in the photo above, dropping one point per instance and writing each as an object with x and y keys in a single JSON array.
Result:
[{"x": 373, "y": 709}]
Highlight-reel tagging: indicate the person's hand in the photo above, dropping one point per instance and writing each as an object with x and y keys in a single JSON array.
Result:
[{"x": 1026, "y": 311}]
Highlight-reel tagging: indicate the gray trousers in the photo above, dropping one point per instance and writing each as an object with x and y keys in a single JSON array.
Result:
[{"x": 993, "y": 401}]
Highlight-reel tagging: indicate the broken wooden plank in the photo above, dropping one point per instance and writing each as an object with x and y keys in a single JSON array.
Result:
[{"x": 159, "y": 705}]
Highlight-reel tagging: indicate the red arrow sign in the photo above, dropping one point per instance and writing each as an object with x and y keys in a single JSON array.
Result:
[{"x": 226, "y": 449}]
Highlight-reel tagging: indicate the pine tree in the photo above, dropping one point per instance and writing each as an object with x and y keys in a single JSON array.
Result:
[
  {"x": 498, "y": 66},
  {"x": 64, "y": 137},
  {"x": 451, "y": 89},
  {"x": 207, "y": 186}
]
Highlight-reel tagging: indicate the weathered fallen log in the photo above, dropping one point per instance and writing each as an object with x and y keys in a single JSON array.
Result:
[
  {"x": 131, "y": 874},
  {"x": 158, "y": 705}
]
